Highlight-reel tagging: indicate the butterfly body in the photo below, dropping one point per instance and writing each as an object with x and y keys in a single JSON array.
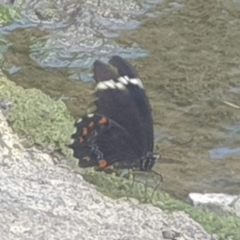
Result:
[{"x": 120, "y": 131}]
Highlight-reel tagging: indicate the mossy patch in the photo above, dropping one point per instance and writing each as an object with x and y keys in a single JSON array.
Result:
[
  {"x": 33, "y": 114},
  {"x": 223, "y": 225}
]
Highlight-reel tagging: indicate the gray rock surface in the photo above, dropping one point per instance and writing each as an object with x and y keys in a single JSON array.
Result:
[
  {"x": 217, "y": 202},
  {"x": 40, "y": 200}
]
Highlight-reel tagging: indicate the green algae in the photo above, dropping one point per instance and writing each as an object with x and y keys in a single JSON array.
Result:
[
  {"x": 8, "y": 14},
  {"x": 36, "y": 117}
]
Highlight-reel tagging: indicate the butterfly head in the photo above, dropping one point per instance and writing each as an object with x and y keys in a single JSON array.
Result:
[{"x": 147, "y": 163}]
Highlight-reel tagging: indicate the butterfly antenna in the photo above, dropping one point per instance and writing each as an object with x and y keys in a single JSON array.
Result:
[
  {"x": 103, "y": 72},
  {"x": 177, "y": 144},
  {"x": 124, "y": 67},
  {"x": 163, "y": 160}
]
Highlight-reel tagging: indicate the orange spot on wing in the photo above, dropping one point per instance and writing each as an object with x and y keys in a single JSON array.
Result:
[
  {"x": 85, "y": 131},
  {"x": 102, "y": 163},
  {"x": 104, "y": 121},
  {"x": 91, "y": 124}
]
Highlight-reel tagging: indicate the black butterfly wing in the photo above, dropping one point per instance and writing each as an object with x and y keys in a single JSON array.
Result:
[
  {"x": 124, "y": 67},
  {"x": 129, "y": 105},
  {"x": 115, "y": 101},
  {"x": 120, "y": 132},
  {"x": 100, "y": 141}
]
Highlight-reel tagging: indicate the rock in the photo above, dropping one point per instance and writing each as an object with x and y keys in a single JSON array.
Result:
[
  {"x": 40, "y": 200},
  {"x": 217, "y": 202}
]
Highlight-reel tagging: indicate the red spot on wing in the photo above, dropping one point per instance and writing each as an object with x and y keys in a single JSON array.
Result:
[
  {"x": 91, "y": 124},
  {"x": 102, "y": 163},
  {"x": 85, "y": 131},
  {"x": 104, "y": 121}
]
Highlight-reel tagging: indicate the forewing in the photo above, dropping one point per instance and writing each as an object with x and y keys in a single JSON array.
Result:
[
  {"x": 103, "y": 72},
  {"x": 115, "y": 101},
  {"x": 129, "y": 74}
]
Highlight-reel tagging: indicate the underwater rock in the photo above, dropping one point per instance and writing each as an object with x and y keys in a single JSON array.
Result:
[{"x": 79, "y": 32}]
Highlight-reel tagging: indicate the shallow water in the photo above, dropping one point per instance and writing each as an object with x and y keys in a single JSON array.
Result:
[
  {"x": 188, "y": 55},
  {"x": 76, "y": 33}
]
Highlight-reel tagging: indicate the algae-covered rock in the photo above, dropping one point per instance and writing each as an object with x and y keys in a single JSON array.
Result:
[
  {"x": 36, "y": 117},
  {"x": 8, "y": 14}
]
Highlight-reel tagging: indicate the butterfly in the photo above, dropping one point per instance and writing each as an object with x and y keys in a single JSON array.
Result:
[{"x": 120, "y": 130}]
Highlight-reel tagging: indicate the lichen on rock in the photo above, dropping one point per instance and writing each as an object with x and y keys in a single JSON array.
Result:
[{"x": 36, "y": 117}]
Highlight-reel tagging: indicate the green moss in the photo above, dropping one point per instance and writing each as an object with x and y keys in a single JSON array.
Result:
[
  {"x": 35, "y": 115},
  {"x": 224, "y": 226}
]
